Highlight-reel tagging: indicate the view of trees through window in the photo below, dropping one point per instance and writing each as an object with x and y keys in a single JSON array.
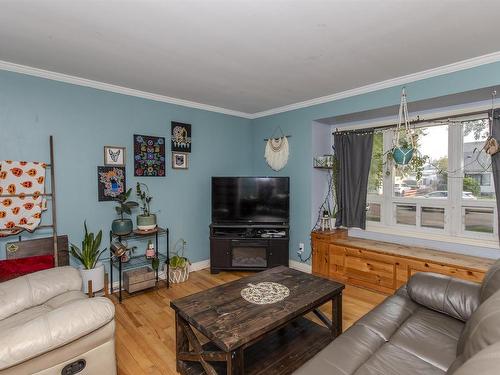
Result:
[
  {"x": 418, "y": 196},
  {"x": 430, "y": 179}
]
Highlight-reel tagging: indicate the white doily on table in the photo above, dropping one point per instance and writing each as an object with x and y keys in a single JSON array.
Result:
[{"x": 265, "y": 293}]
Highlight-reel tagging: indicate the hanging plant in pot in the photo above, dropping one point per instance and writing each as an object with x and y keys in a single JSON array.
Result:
[
  {"x": 146, "y": 221},
  {"x": 404, "y": 147},
  {"x": 179, "y": 265},
  {"x": 88, "y": 256},
  {"x": 123, "y": 225}
]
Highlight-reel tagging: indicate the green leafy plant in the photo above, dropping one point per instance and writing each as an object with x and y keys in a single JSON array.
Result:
[
  {"x": 125, "y": 206},
  {"x": 155, "y": 263},
  {"x": 179, "y": 260},
  {"x": 89, "y": 254},
  {"x": 472, "y": 186},
  {"x": 144, "y": 197}
]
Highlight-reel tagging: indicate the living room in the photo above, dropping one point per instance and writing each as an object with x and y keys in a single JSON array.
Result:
[{"x": 258, "y": 187}]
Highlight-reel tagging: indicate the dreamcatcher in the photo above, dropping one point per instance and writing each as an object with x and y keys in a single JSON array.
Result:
[
  {"x": 277, "y": 151},
  {"x": 404, "y": 148}
]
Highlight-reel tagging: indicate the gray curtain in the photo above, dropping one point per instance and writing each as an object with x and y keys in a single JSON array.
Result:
[
  {"x": 354, "y": 153},
  {"x": 495, "y": 160}
]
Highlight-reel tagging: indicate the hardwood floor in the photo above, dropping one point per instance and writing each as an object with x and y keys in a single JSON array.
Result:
[{"x": 145, "y": 329}]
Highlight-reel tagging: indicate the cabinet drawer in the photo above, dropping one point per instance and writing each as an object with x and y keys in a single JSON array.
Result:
[{"x": 371, "y": 271}]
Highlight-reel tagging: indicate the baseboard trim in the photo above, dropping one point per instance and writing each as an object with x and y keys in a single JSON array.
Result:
[
  {"x": 201, "y": 265},
  {"x": 299, "y": 266}
]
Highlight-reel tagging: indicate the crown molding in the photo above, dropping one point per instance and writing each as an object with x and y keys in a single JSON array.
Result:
[
  {"x": 434, "y": 72},
  {"x": 23, "y": 69},
  {"x": 445, "y": 69}
]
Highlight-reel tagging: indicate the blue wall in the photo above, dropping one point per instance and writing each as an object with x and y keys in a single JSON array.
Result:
[
  {"x": 83, "y": 120},
  {"x": 298, "y": 124}
]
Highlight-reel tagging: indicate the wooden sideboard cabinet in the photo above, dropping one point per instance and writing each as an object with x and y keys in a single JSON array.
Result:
[{"x": 384, "y": 266}]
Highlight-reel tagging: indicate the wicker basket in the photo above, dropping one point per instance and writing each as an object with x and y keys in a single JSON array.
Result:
[{"x": 178, "y": 274}]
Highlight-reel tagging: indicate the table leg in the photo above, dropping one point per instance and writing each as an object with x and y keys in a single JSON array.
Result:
[
  {"x": 337, "y": 315},
  {"x": 235, "y": 362},
  {"x": 120, "y": 280},
  {"x": 181, "y": 341}
]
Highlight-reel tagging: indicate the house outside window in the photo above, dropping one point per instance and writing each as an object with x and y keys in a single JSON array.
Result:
[{"x": 449, "y": 194}]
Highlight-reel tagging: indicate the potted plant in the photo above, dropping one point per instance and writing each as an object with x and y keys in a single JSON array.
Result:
[
  {"x": 179, "y": 265},
  {"x": 123, "y": 226},
  {"x": 146, "y": 221},
  {"x": 88, "y": 256}
]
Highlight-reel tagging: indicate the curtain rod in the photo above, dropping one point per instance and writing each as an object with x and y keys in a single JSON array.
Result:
[{"x": 418, "y": 120}]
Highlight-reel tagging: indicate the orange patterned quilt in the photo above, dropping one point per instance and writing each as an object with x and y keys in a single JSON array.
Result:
[{"x": 22, "y": 185}]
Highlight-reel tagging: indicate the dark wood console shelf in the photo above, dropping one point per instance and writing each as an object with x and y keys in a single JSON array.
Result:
[{"x": 248, "y": 247}]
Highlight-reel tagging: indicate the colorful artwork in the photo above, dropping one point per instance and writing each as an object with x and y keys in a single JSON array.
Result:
[
  {"x": 111, "y": 182},
  {"x": 181, "y": 137},
  {"x": 149, "y": 156},
  {"x": 179, "y": 160},
  {"x": 114, "y": 156}
]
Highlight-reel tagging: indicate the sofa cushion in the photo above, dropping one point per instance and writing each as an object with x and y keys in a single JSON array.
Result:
[
  {"x": 485, "y": 362},
  {"x": 448, "y": 295},
  {"x": 36, "y": 288},
  {"x": 344, "y": 355},
  {"x": 53, "y": 329},
  {"x": 430, "y": 336},
  {"x": 393, "y": 360},
  {"x": 34, "y": 312},
  {"x": 65, "y": 298},
  {"x": 387, "y": 317},
  {"x": 491, "y": 281},
  {"x": 482, "y": 329}
]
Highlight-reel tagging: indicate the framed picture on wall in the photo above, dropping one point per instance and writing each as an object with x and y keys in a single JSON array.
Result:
[
  {"x": 149, "y": 156},
  {"x": 110, "y": 182},
  {"x": 180, "y": 160},
  {"x": 114, "y": 156},
  {"x": 181, "y": 137}
]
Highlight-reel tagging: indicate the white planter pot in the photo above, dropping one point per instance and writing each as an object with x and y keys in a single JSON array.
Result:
[
  {"x": 96, "y": 275},
  {"x": 178, "y": 275}
]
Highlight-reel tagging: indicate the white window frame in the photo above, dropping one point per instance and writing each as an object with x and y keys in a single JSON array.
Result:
[{"x": 454, "y": 205}]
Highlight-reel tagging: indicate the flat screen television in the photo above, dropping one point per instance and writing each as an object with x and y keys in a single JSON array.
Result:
[{"x": 254, "y": 200}]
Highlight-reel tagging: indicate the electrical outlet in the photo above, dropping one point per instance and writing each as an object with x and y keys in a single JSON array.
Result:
[{"x": 301, "y": 248}]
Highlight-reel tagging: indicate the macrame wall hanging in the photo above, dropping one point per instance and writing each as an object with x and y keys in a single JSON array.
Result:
[
  {"x": 404, "y": 147},
  {"x": 277, "y": 150}
]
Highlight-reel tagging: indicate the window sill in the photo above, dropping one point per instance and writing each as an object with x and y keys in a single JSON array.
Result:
[{"x": 374, "y": 228}]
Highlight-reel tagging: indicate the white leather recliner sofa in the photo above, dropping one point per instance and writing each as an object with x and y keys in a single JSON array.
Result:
[{"x": 49, "y": 326}]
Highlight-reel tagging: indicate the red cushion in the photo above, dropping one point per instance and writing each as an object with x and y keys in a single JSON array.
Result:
[{"x": 12, "y": 268}]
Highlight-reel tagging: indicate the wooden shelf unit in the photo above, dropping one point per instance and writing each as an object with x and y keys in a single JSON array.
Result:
[{"x": 383, "y": 266}]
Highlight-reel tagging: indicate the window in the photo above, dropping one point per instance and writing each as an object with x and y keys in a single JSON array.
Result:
[{"x": 447, "y": 191}]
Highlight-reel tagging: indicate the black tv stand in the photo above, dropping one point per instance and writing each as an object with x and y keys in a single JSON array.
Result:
[{"x": 245, "y": 247}]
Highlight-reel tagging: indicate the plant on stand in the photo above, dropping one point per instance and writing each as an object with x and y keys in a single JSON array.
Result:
[
  {"x": 123, "y": 225},
  {"x": 88, "y": 256},
  {"x": 146, "y": 221},
  {"x": 179, "y": 265}
]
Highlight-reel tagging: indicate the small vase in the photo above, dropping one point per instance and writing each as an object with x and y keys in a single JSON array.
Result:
[
  {"x": 146, "y": 222},
  {"x": 96, "y": 275},
  {"x": 121, "y": 227}
]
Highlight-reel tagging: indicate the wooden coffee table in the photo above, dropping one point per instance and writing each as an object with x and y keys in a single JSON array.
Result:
[{"x": 248, "y": 338}]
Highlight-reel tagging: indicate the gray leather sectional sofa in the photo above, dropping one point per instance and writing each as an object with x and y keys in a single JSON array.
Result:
[{"x": 434, "y": 325}]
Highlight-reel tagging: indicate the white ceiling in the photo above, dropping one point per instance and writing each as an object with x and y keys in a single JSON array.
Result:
[{"x": 245, "y": 55}]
